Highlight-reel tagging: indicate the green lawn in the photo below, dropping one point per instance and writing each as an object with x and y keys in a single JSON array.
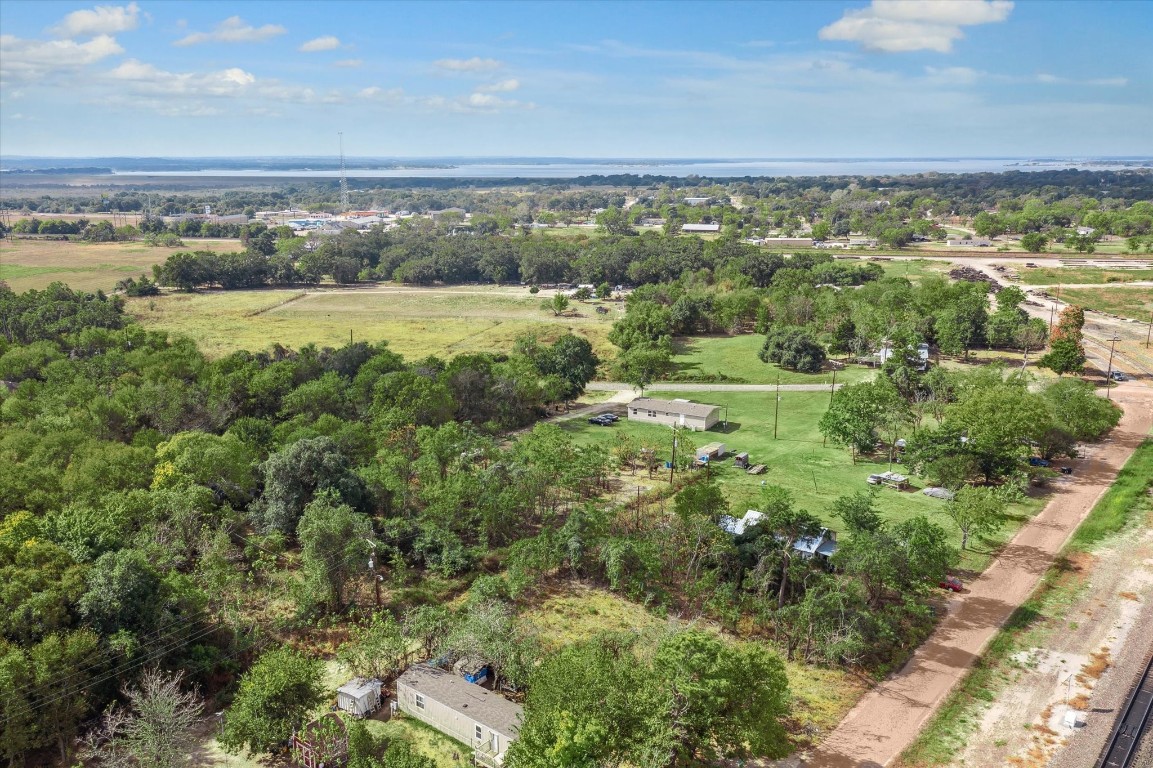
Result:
[
  {"x": 796, "y": 460},
  {"x": 916, "y": 269},
  {"x": 709, "y": 357}
]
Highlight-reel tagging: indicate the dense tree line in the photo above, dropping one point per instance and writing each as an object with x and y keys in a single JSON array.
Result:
[{"x": 147, "y": 491}]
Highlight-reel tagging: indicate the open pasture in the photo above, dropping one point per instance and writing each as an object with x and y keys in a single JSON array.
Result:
[
  {"x": 815, "y": 474},
  {"x": 26, "y": 263},
  {"x": 416, "y": 322}
]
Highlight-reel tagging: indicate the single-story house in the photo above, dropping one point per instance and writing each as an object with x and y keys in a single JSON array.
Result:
[
  {"x": 697, "y": 200},
  {"x": 675, "y": 413},
  {"x": 480, "y": 718},
  {"x": 737, "y": 527},
  {"x": 700, "y": 227}
]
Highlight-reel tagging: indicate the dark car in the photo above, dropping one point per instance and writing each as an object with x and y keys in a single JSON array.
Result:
[
  {"x": 610, "y": 417},
  {"x": 951, "y": 583},
  {"x": 600, "y": 421},
  {"x": 1035, "y": 461}
]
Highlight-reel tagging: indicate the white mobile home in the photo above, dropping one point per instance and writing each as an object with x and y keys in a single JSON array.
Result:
[
  {"x": 473, "y": 715},
  {"x": 675, "y": 413}
]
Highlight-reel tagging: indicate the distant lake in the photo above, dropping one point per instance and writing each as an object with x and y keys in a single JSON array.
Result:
[{"x": 711, "y": 168}]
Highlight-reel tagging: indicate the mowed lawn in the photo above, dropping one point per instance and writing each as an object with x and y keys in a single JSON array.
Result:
[
  {"x": 815, "y": 474},
  {"x": 1132, "y": 302},
  {"x": 698, "y": 357},
  {"x": 416, "y": 322},
  {"x": 28, "y": 264}
]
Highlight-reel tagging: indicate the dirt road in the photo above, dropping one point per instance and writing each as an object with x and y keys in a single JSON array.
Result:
[{"x": 887, "y": 720}]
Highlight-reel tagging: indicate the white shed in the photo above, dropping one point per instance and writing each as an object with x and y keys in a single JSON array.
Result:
[{"x": 359, "y": 697}]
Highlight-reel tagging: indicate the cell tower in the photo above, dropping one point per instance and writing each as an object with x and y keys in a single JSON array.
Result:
[{"x": 343, "y": 179}]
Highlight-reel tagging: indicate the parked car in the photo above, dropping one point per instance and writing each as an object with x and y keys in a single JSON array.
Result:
[
  {"x": 951, "y": 583},
  {"x": 600, "y": 421},
  {"x": 1118, "y": 376},
  {"x": 1036, "y": 461},
  {"x": 610, "y": 417}
]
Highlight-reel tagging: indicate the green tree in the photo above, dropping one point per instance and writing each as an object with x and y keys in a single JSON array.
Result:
[
  {"x": 642, "y": 366},
  {"x": 1034, "y": 242},
  {"x": 975, "y": 511},
  {"x": 1064, "y": 356},
  {"x": 572, "y": 360},
  {"x": 793, "y": 348},
  {"x": 335, "y": 545},
  {"x": 222, "y": 463},
  {"x": 275, "y": 696},
  {"x": 294, "y": 475},
  {"x": 558, "y": 304},
  {"x": 858, "y": 411},
  {"x": 377, "y": 649},
  {"x": 157, "y": 728},
  {"x": 727, "y": 700},
  {"x": 1078, "y": 410}
]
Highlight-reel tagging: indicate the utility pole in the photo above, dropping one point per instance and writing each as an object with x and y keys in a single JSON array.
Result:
[
  {"x": 1109, "y": 374},
  {"x": 832, "y": 391},
  {"x": 777, "y": 406},
  {"x": 673, "y": 463},
  {"x": 372, "y": 572},
  {"x": 1149, "y": 332}
]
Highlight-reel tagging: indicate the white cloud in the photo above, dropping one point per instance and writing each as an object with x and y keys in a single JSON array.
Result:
[
  {"x": 326, "y": 43},
  {"x": 1107, "y": 82},
  {"x": 953, "y": 75},
  {"x": 504, "y": 86},
  {"x": 101, "y": 20},
  {"x": 24, "y": 60},
  {"x": 475, "y": 64},
  {"x": 897, "y": 26},
  {"x": 477, "y": 101},
  {"x": 348, "y": 63},
  {"x": 146, "y": 78},
  {"x": 233, "y": 30}
]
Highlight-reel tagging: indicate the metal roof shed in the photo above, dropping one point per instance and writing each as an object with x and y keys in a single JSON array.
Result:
[{"x": 359, "y": 697}]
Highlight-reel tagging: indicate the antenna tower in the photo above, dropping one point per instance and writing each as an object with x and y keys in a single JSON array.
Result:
[{"x": 343, "y": 179}]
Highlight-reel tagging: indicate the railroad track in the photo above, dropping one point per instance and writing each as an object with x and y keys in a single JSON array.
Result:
[{"x": 1131, "y": 724}]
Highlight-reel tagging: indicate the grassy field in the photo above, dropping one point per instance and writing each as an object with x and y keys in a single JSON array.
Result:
[
  {"x": 1081, "y": 275},
  {"x": 416, "y": 322},
  {"x": 27, "y": 264},
  {"x": 1046, "y": 612},
  {"x": 916, "y": 269},
  {"x": 1136, "y": 303},
  {"x": 796, "y": 460},
  {"x": 702, "y": 357}
]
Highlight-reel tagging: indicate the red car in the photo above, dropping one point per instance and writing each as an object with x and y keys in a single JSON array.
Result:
[{"x": 951, "y": 583}]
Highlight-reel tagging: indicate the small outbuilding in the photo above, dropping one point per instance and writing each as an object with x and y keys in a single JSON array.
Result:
[
  {"x": 323, "y": 742},
  {"x": 675, "y": 413},
  {"x": 359, "y": 697},
  {"x": 822, "y": 546},
  {"x": 475, "y": 716},
  {"x": 472, "y": 669}
]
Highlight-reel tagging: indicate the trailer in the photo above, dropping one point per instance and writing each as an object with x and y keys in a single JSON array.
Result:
[
  {"x": 710, "y": 451},
  {"x": 741, "y": 461}
]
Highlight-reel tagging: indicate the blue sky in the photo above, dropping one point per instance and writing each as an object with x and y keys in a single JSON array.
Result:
[{"x": 594, "y": 79}]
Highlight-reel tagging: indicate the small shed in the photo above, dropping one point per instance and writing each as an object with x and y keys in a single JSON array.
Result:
[
  {"x": 822, "y": 546},
  {"x": 710, "y": 451},
  {"x": 741, "y": 461},
  {"x": 324, "y": 741},
  {"x": 359, "y": 697}
]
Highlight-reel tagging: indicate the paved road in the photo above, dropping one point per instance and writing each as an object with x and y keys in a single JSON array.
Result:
[
  {"x": 887, "y": 720},
  {"x": 668, "y": 386}
]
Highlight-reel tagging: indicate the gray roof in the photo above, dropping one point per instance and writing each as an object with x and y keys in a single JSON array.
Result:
[
  {"x": 485, "y": 707},
  {"x": 674, "y": 406}
]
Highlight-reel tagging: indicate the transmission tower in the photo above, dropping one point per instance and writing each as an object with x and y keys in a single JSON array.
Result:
[{"x": 343, "y": 179}]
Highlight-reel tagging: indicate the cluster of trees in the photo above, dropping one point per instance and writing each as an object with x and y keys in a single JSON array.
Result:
[
  {"x": 969, "y": 427},
  {"x": 149, "y": 497}
]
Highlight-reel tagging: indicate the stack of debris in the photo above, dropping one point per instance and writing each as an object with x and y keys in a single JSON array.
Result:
[{"x": 972, "y": 275}]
